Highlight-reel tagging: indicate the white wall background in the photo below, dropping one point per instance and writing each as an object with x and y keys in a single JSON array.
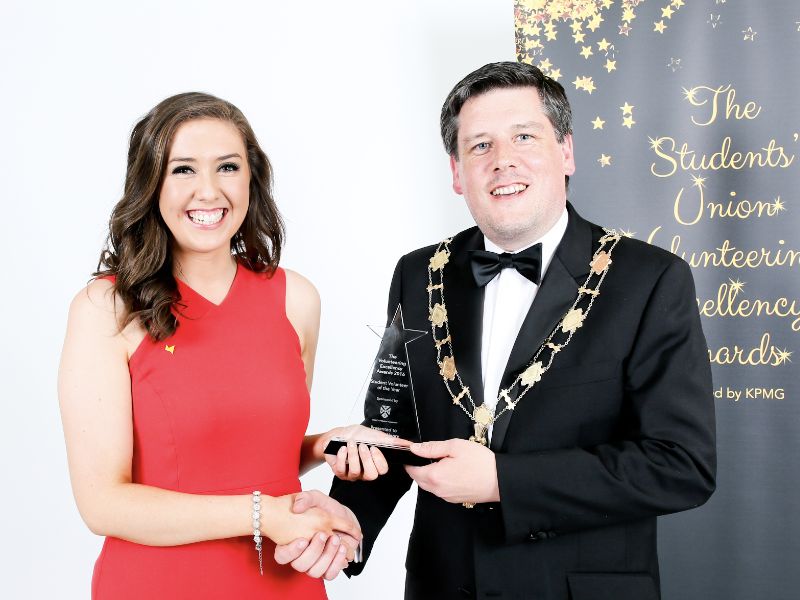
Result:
[{"x": 344, "y": 98}]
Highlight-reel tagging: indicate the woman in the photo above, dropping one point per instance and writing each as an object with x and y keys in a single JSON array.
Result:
[{"x": 185, "y": 376}]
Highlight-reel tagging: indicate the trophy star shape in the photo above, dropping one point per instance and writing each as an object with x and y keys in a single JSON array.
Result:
[
  {"x": 391, "y": 378},
  {"x": 397, "y": 328},
  {"x": 389, "y": 404}
]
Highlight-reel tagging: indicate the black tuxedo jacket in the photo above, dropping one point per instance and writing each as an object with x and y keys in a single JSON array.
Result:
[{"x": 618, "y": 431}]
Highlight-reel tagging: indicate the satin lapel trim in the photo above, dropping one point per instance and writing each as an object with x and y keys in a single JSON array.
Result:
[
  {"x": 464, "y": 302},
  {"x": 566, "y": 272}
]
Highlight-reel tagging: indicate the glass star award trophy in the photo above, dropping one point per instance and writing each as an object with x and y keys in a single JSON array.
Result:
[{"x": 389, "y": 404}]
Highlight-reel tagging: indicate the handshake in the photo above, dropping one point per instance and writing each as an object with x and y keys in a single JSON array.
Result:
[
  {"x": 333, "y": 533},
  {"x": 321, "y": 536},
  {"x": 463, "y": 473}
]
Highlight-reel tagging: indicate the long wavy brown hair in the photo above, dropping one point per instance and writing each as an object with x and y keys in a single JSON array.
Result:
[{"x": 138, "y": 249}]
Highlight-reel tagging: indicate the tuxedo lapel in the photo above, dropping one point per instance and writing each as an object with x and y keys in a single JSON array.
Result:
[
  {"x": 566, "y": 272},
  {"x": 464, "y": 302}
]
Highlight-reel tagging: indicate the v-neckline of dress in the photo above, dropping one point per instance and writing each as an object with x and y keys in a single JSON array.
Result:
[{"x": 203, "y": 304}]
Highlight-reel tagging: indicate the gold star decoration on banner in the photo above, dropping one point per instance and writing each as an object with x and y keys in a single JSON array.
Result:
[
  {"x": 538, "y": 22},
  {"x": 674, "y": 64},
  {"x": 627, "y": 233},
  {"x": 783, "y": 357},
  {"x": 736, "y": 286},
  {"x": 604, "y": 160},
  {"x": 749, "y": 34},
  {"x": 628, "y": 15},
  {"x": 584, "y": 83},
  {"x": 627, "y": 115},
  {"x": 689, "y": 94},
  {"x": 655, "y": 144},
  {"x": 698, "y": 182},
  {"x": 778, "y": 205},
  {"x": 598, "y": 123}
]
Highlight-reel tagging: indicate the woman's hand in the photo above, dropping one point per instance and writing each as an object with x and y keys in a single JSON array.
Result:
[
  {"x": 357, "y": 461},
  {"x": 282, "y": 525}
]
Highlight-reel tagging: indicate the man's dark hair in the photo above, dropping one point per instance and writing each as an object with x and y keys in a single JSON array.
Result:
[{"x": 505, "y": 75}]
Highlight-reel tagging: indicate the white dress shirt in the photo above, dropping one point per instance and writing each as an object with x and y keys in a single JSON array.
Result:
[{"x": 507, "y": 299}]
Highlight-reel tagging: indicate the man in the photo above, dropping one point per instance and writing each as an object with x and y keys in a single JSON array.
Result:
[{"x": 585, "y": 368}]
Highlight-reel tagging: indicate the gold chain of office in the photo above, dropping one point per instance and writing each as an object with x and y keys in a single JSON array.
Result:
[{"x": 482, "y": 416}]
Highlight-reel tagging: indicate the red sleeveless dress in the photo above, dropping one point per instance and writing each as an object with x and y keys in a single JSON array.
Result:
[{"x": 221, "y": 407}]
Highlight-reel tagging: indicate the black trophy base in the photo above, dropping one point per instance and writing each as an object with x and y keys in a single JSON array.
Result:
[{"x": 395, "y": 455}]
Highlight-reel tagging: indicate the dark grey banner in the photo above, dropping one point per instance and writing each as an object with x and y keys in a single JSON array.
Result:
[{"x": 687, "y": 122}]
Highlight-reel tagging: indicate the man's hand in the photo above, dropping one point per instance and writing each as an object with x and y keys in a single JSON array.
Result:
[
  {"x": 322, "y": 556},
  {"x": 360, "y": 461},
  {"x": 466, "y": 472}
]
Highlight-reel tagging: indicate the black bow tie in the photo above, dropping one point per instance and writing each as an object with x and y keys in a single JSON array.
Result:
[{"x": 486, "y": 265}]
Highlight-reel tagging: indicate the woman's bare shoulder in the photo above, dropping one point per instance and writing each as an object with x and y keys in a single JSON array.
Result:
[
  {"x": 98, "y": 312},
  {"x": 300, "y": 292}
]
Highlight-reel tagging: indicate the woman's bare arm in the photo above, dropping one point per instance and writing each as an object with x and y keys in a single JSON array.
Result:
[{"x": 95, "y": 396}]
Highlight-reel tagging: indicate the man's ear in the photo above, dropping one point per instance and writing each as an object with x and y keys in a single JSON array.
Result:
[
  {"x": 456, "y": 177},
  {"x": 569, "y": 156}
]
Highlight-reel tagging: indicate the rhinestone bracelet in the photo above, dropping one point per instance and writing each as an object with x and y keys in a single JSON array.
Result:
[{"x": 257, "y": 528}]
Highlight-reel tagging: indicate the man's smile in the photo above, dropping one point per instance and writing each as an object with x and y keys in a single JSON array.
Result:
[{"x": 507, "y": 190}]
